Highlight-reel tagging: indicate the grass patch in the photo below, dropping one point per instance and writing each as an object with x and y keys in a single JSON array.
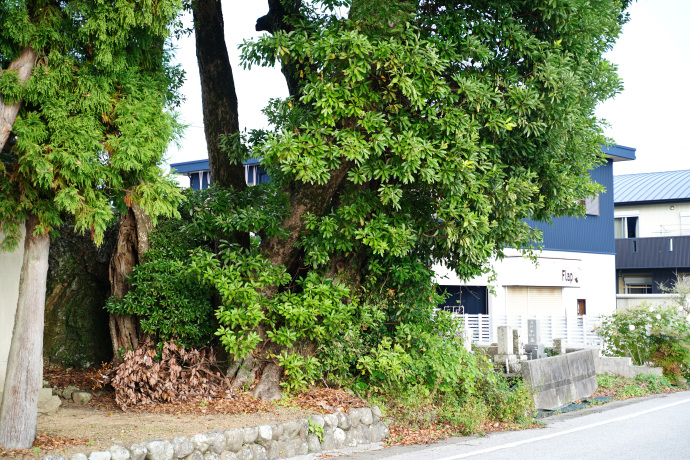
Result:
[{"x": 618, "y": 387}]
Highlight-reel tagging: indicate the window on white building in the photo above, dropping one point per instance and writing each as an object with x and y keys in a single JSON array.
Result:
[
  {"x": 627, "y": 227},
  {"x": 685, "y": 223},
  {"x": 639, "y": 284}
]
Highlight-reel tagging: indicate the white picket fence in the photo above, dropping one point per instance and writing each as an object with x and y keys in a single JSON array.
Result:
[{"x": 576, "y": 330}]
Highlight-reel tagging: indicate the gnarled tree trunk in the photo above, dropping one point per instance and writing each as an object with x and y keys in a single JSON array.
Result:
[
  {"x": 25, "y": 364},
  {"x": 132, "y": 243}
]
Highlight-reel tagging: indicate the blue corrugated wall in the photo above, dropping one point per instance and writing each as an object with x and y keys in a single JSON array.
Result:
[{"x": 592, "y": 234}]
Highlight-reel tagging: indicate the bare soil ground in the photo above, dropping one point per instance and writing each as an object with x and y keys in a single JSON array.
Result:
[{"x": 101, "y": 423}]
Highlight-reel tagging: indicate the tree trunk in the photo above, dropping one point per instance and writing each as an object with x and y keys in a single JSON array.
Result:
[
  {"x": 23, "y": 379},
  {"x": 218, "y": 96},
  {"x": 282, "y": 15},
  {"x": 132, "y": 243},
  {"x": 24, "y": 65}
]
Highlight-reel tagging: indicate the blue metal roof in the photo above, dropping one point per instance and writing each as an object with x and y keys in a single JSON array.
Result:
[
  {"x": 619, "y": 152},
  {"x": 201, "y": 165},
  {"x": 652, "y": 187},
  {"x": 189, "y": 166}
]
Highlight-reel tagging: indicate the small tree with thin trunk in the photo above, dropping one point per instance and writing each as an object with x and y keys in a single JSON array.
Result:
[{"x": 84, "y": 123}]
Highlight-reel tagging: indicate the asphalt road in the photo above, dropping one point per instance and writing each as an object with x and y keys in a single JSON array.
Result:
[{"x": 656, "y": 427}]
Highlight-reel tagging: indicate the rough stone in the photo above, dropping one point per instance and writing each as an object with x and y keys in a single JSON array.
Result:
[
  {"x": 375, "y": 414},
  {"x": 250, "y": 434},
  {"x": 229, "y": 456},
  {"x": 313, "y": 443},
  {"x": 290, "y": 429},
  {"x": 286, "y": 449},
  {"x": 234, "y": 439},
  {"x": 328, "y": 442},
  {"x": 201, "y": 442},
  {"x": 259, "y": 452},
  {"x": 49, "y": 405},
  {"x": 55, "y": 457},
  {"x": 363, "y": 434},
  {"x": 272, "y": 450},
  {"x": 265, "y": 433},
  {"x": 317, "y": 420},
  {"x": 559, "y": 346},
  {"x": 81, "y": 397},
  {"x": 77, "y": 457},
  {"x": 277, "y": 431},
  {"x": 331, "y": 420},
  {"x": 505, "y": 340},
  {"x": 301, "y": 446},
  {"x": 159, "y": 449},
  {"x": 374, "y": 433},
  {"x": 304, "y": 428},
  {"x": 361, "y": 415},
  {"x": 138, "y": 451},
  {"x": 351, "y": 437},
  {"x": 216, "y": 442},
  {"x": 246, "y": 453},
  {"x": 181, "y": 446},
  {"x": 383, "y": 429},
  {"x": 119, "y": 453},
  {"x": 67, "y": 392},
  {"x": 211, "y": 456},
  {"x": 76, "y": 332},
  {"x": 518, "y": 346},
  {"x": 195, "y": 456},
  {"x": 344, "y": 421},
  {"x": 99, "y": 456},
  {"x": 339, "y": 438}
]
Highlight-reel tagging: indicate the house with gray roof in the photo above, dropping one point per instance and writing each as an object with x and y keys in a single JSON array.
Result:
[{"x": 652, "y": 229}]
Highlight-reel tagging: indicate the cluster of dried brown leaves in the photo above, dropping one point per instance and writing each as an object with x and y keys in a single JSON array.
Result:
[{"x": 178, "y": 376}]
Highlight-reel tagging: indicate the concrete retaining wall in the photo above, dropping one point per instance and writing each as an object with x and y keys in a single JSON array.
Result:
[
  {"x": 622, "y": 366},
  {"x": 559, "y": 380}
]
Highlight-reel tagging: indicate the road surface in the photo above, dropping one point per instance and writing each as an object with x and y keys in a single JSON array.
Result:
[{"x": 656, "y": 427}]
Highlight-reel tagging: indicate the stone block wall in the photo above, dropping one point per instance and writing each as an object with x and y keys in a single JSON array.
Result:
[{"x": 266, "y": 442}]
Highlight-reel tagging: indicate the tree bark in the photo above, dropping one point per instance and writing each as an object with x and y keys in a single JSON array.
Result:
[
  {"x": 281, "y": 16},
  {"x": 132, "y": 243},
  {"x": 24, "y": 65},
  {"x": 23, "y": 379},
  {"x": 218, "y": 96}
]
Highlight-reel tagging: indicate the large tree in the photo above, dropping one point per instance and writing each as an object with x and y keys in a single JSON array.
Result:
[
  {"x": 416, "y": 132},
  {"x": 85, "y": 131}
]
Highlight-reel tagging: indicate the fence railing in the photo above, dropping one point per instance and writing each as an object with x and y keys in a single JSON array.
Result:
[{"x": 576, "y": 330}]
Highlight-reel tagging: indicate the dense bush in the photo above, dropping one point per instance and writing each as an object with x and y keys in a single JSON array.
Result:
[{"x": 658, "y": 335}]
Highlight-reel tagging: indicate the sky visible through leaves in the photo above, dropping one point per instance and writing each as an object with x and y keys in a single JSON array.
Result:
[{"x": 653, "y": 55}]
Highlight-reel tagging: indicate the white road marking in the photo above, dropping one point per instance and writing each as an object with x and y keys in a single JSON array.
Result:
[{"x": 562, "y": 433}]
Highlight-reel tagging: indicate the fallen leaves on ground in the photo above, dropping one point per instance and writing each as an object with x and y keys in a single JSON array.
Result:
[
  {"x": 329, "y": 400},
  {"x": 44, "y": 442}
]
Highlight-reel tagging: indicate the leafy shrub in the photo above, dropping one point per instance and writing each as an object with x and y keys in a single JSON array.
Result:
[{"x": 658, "y": 335}]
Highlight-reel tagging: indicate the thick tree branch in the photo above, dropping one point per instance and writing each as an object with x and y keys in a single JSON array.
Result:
[{"x": 24, "y": 65}]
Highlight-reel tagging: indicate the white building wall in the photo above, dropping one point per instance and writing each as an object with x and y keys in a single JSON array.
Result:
[
  {"x": 656, "y": 219},
  {"x": 591, "y": 277},
  {"x": 10, "y": 269}
]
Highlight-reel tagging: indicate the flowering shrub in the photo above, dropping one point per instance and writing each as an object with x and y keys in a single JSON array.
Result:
[{"x": 649, "y": 334}]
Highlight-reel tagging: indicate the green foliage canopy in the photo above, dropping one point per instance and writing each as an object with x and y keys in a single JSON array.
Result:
[
  {"x": 456, "y": 120},
  {"x": 95, "y": 119}
]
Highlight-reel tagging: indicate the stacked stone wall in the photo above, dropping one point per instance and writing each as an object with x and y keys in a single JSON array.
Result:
[{"x": 316, "y": 434}]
